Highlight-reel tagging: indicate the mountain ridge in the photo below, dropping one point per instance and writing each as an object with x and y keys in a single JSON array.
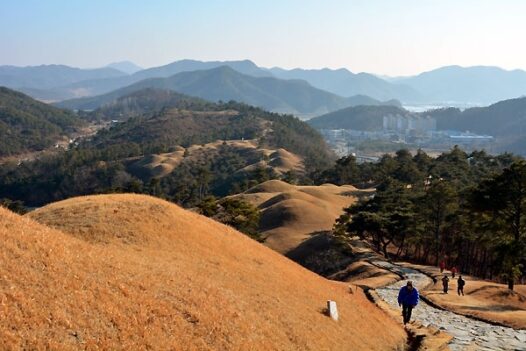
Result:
[{"x": 224, "y": 83}]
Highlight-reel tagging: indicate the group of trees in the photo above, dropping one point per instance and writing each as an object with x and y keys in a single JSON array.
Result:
[
  {"x": 235, "y": 212},
  {"x": 466, "y": 209}
]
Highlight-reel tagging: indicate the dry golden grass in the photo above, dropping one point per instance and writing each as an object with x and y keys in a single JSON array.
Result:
[
  {"x": 291, "y": 214},
  {"x": 484, "y": 299},
  {"x": 160, "y": 165},
  {"x": 135, "y": 272},
  {"x": 280, "y": 160}
]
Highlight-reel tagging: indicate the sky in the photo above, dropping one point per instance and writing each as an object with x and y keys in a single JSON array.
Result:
[{"x": 386, "y": 37}]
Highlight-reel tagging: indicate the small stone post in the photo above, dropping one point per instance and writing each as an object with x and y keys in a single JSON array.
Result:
[{"x": 332, "y": 310}]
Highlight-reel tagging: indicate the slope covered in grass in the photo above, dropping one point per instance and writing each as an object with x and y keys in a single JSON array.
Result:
[
  {"x": 134, "y": 272},
  {"x": 292, "y": 214}
]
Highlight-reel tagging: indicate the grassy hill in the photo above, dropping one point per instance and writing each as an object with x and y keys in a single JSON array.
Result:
[
  {"x": 367, "y": 118},
  {"x": 134, "y": 272},
  {"x": 291, "y": 214},
  {"x": 226, "y": 84},
  {"x": 28, "y": 125},
  {"x": 207, "y": 122}
]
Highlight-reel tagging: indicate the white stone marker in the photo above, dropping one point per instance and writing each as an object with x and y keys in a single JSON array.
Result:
[{"x": 332, "y": 309}]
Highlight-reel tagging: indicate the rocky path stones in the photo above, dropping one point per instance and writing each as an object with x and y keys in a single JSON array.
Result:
[{"x": 468, "y": 334}]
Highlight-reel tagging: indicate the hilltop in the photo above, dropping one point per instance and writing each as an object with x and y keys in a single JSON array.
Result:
[
  {"x": 198, "y": 122},
  {"x": 129, "y": 271},
  {"x": 143, "y": 102},
  {"x": 127, "y": 67},
  {"x": 28, "y": 125}
]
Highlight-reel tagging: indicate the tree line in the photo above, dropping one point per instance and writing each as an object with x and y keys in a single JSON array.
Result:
[{"x": 466, "y": 209}]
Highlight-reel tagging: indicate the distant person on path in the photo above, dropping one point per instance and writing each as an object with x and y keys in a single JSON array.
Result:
[
  {"x": 453, "y": 271},
  {"x": 442, "y": 266},
  {"x": 408, "y": 298},
  {"x": 461, "y": 282},
  {"x": 445, "y": 283}
]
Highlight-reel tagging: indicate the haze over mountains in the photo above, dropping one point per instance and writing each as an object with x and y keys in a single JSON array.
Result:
[
  {"x": 477, "y": 85},
  {"x": 224, "y": 84},
  {"x": 345, "y": 83},
  {"x": 126, "y": 67},
  {"x": 326, "y": 89}
]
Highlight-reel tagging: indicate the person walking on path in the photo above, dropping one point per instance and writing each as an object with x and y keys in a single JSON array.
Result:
[
  {"x": 445, "y": 283},
  {"x": 408, "y": 298},
  {"x": 460, "y": 285},
  {"x": 453, "y": 271}
]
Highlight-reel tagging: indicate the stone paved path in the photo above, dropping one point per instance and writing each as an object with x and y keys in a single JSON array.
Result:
[{"x": 467, "y": 333}]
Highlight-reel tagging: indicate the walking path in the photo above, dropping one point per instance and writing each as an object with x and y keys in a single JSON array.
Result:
[{"x": 467, "y": 333}]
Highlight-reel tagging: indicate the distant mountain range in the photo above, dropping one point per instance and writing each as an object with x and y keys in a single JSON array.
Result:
[
  {"x": 224, "y": 84},
  {"x": 345, "y": 83},
  {"x": 452, "y": 85},
  {"x": 127, "y": 67},
  {"x": 51, "y": 76},
  {"x": 479, "y": 85}
]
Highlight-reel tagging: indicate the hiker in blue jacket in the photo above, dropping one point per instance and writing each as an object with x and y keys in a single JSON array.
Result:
[{"x": 408, "y": 298}]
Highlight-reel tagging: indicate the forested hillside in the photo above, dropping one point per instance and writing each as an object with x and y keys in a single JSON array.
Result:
[
  {"x": 463, "y": 208},
  {"x": 366, "y": 118},
  {"x": 105, "y": 162},
  {"x": 145, "y": 102},
  {"x": 28, "y": 125}
]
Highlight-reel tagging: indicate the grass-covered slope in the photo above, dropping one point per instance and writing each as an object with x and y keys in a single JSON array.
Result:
[{"x": 134, "y": 272}]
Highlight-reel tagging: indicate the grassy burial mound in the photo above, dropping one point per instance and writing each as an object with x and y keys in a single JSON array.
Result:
[
  {"x": 275, "y": 161},
  {"x": 291, "y": 214},
  {"x": 135, "y": 272}
]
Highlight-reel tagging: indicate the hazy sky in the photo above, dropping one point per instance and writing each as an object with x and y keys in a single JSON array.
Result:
[{"x": 395, "y": 37}]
